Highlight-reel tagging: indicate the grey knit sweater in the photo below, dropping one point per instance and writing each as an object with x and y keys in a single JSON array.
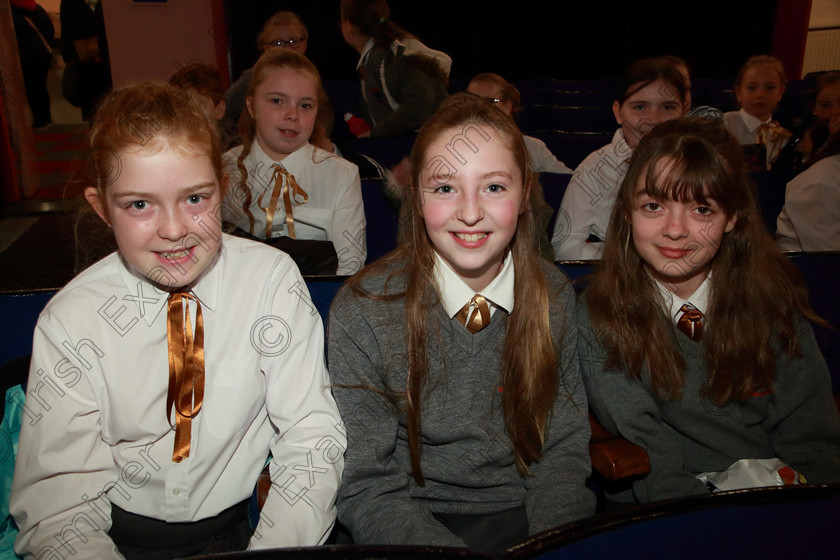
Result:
[
  {"x": 467, "y": 460},
  {"x": 798, "y": 422}
]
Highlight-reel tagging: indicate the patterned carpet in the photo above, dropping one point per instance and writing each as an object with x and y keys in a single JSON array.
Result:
[{"x": 60, "y": 150}]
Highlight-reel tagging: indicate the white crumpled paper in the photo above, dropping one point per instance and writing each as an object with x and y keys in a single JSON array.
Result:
[{"x": 752, "y": 473}]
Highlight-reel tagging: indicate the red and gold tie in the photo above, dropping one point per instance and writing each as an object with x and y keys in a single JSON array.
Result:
[
  {"x": 475, "y": 315},
  {"x": 691, "y": 323},
  {"x": 285, "y": 186},
  {"x": 186, "y": 368}
]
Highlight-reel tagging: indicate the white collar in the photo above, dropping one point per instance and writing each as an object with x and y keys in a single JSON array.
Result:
[
  {"x": 753, "y": 123},
  {"x": 454, "y": 292},
  {"x": 150, "y": 299},
  {"x": 365, "y": 52},
  {"x": 671, "y": 303}
]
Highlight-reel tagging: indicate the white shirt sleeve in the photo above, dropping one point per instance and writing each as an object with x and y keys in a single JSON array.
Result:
[
  {"x": 349, "y": 228},
  {"x": 588, "y": 202},
  {"x": 308, "y": 449},
  {"x": 810, "y": 219},
  {"x": 61, "y": 455}
]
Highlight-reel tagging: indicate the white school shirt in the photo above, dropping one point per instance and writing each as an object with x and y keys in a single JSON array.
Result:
[
  {"x": 743, "y": 126},
  {"x": 454, "y": 293},
  {"x": 95, "y": 417},
  {"x": 810, "y": 219},
  {"x": 334, "y": 211},
  {"x": 588, "y": 201},
  {"x": 672, "y": 303},
  {"x": 542, "y": 160}
]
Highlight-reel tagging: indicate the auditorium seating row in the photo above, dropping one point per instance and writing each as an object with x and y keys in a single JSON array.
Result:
[{"x": 576, "y": 106}]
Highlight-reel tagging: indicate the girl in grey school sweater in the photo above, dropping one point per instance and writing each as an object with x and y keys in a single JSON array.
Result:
[
  {"x": 453, "y": 359},
  {"x": 695, "y": 342}
]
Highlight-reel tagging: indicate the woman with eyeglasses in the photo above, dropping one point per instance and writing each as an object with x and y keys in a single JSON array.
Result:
[{"x": 402, "y": 80}]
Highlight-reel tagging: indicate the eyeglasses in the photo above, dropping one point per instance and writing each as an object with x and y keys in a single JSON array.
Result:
[{"x": 295, "y": 43}]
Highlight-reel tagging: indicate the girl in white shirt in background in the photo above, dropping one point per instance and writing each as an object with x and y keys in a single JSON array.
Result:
[
  {"x": 759, "y": 87},
  {"x": 164, "y": 375},
  {"x": 280, "y": 184},
  {"x": 652, "y": 91}
]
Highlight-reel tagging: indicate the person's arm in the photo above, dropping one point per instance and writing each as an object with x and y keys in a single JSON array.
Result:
[
  {"x": 543, "y": 160},
  {"x": 348, "y": 230},
  {"x": 414, "y": 90},
  {"x": 374, "y": 502},
  {"x": 63, "y": 466},
  {"x": 803, "y": 422},
  {"x": 627, "y": 408},
  {"x": 813, "y": 208},
  {"x": 307, "y": 450},
  {"x": 587, "y": 204},
  {"x": 556, "y": 489}
]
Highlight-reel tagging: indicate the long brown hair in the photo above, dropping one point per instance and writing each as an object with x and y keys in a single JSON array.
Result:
[
  {"x": 373, "y": 18},
  {"x": 756, "y": 293},
  {"x": 530, "y": 361}
]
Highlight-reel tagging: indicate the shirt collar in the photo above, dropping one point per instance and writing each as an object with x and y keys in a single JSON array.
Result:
[
  {"x": 671, "y": 303},
  {"x": 752, "y": 122},
  {"x": 454, "y": 292},
  {"x": 294, "y": 162},
  {"x": 150, "y": 299},
  {"x": 365, "y": 52}
]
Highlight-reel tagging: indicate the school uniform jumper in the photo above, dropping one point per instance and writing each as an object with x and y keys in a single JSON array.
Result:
[
  {"x": 95, "y": 429},
  {"x": 334, "y": 211},
  {"x": 797, "y": 422},
  {"x": 588, "y": 201},
  {"x": 467, "y": 461}
]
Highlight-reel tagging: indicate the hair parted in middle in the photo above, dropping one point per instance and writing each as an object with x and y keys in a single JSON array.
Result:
[
  {"x": 530, "y": 360},
  {"x": 272, "y": 59},
  {"x": 756, "y": 293}
]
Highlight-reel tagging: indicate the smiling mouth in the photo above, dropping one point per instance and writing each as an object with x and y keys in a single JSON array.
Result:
[
  {"x": 174, "y": 255},
  {"x": 471, "y": 237}
]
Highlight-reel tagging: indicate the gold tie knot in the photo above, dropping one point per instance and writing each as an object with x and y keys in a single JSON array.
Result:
[
  {"x": 186, "y": 368},
  {"x": 475, "y": 315},
  {"x": 286, "y": 186},
  {"x": 690, "y": 322}
]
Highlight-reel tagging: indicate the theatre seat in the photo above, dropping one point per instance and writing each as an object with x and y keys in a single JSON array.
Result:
[
  {"x": 789, "y": 522},
  {"x": 614, "y": 458}
]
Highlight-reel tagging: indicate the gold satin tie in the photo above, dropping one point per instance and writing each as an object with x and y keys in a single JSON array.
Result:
[
  {"x": 480, "y": 316},
  {"x": 691, "y": 323},
  {"x": 285, "y": 186},
  {"x": 186, "y": 368}
]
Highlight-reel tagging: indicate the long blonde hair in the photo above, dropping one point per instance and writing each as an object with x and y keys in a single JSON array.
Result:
[{"x": 530, "y": 360}]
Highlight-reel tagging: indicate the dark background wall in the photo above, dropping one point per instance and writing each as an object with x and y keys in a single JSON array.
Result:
[{"x": 581, "y": 39}]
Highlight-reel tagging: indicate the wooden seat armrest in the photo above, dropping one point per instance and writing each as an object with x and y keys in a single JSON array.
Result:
[{"x": 615, "y": 458}]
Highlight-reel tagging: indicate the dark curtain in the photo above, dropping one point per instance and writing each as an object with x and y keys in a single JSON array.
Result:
[{"x": 581, "y": 39}]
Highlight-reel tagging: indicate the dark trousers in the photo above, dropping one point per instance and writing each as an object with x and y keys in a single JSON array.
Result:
[
  {"x": 493, "y": 531},
  {"x": 144, "y": 538}
]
